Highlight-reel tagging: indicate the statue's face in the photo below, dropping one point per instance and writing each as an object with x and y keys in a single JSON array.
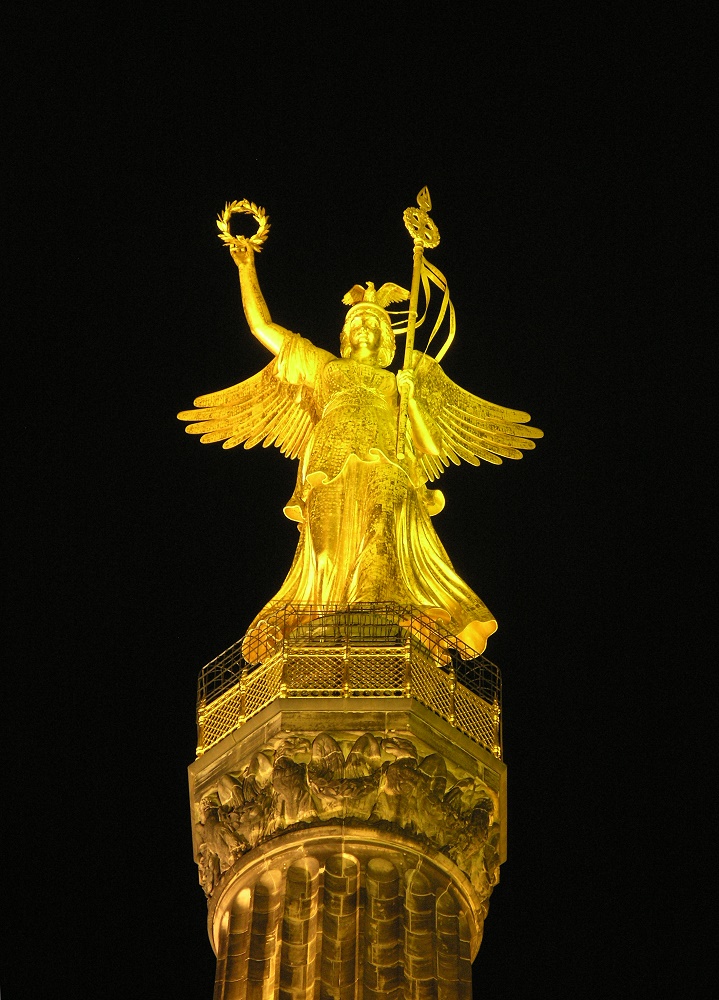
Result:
[{"x": 365, "y": 337}]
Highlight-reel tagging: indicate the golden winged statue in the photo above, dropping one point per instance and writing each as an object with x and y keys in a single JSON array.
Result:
[{"x": 364, "y": 515}]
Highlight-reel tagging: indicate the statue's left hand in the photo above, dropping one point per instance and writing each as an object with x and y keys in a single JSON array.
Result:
[{"x": 405, "y": 382}]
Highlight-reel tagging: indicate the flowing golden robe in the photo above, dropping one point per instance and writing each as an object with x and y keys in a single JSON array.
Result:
[{"x": 364, "y": 515}]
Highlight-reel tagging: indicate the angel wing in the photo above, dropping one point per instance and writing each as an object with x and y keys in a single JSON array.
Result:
[
  {"x": 462, "y": 425},
  {"x": 263, "y": 408}
]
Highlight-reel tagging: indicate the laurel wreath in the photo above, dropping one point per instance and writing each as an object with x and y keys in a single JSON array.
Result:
[
  {"x": 243, "y": 207},
  {"x": 421, "y": 227}
]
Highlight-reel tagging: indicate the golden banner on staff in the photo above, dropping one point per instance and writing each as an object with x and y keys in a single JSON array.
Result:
[
  {"x": 432, "y": 274},
  {"x": 425, "y": 235}
]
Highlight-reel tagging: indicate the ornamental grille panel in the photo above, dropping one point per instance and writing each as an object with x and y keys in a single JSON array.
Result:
[
  {"x": 223, "y": 715},
  {"x": 483, "y": 718},
  {"x": 263, "y": 687},
  {"x": 380, "y": 672},
  {"x": 314, "y": 674},
  {"x": 432, "y": 687},
  {"x": 372, "y": 650}
]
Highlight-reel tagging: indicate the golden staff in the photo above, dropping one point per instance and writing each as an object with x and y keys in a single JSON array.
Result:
[{"x": 426, "y": 236}]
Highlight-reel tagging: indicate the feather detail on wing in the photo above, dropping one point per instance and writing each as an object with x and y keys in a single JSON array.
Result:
[
  {"x": 389, "y": 293},
  {"x": 463, "y": 426},
  {"x": 263, "y": 408}
]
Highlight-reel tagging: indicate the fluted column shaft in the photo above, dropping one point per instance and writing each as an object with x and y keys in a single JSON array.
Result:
[{"x": 340, "y": 926}]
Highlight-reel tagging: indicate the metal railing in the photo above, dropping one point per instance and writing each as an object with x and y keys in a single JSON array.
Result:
[{"x": 361, "y": 650}]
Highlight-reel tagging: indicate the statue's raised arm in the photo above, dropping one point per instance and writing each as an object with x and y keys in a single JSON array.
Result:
[
  {"x": 277, "y": 405},
  {"x": 243, "y": 249},
  {"x": 272, "y": 335}
]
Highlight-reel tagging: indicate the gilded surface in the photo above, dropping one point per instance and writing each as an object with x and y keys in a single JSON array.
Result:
[
  {"x": 362, "y": 503},
  {"x": 380, "y": 781},
  {"x": 364, "y": 922},
  {"x": 354, "y": 652}
]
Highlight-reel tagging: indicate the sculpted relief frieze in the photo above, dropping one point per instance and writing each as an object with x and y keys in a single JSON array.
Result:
[{"x": 383, "y": 782}]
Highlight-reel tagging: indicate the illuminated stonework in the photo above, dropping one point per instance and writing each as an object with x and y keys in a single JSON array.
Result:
[
  {"x": 348, "y": 798},
  {"x": 347, "y": 844},
  {"x": 383, "y": 782}
]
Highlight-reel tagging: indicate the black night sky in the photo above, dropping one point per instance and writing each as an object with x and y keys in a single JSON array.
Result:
[{"x": 567, "y": 159}]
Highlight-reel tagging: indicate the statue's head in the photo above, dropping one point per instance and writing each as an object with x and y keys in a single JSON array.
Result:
[{"x": 367, "y": 330}]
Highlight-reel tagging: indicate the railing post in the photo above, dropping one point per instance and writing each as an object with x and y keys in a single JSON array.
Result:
[
  {"x": 243, "y": 694},
  {"x": 283, "y": 676},
  {"x": 346, "y": 666},
  {"x": 407, "y": 685},
  {"x": 452, "y": 686},
  {"x": 496, "y": 719},
  {"x": 201, "y": 709}
]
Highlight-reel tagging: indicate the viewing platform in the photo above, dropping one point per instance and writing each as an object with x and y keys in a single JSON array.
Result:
[{"x": 362, "y": 651}]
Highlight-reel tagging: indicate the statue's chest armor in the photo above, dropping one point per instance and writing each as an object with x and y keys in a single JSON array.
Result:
[{"x": 356, "y": 381}]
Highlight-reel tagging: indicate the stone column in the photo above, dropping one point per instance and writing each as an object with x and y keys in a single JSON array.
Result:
[
  {"x": 363, "y": 922},
  {"x": 352, "y": 858}
]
